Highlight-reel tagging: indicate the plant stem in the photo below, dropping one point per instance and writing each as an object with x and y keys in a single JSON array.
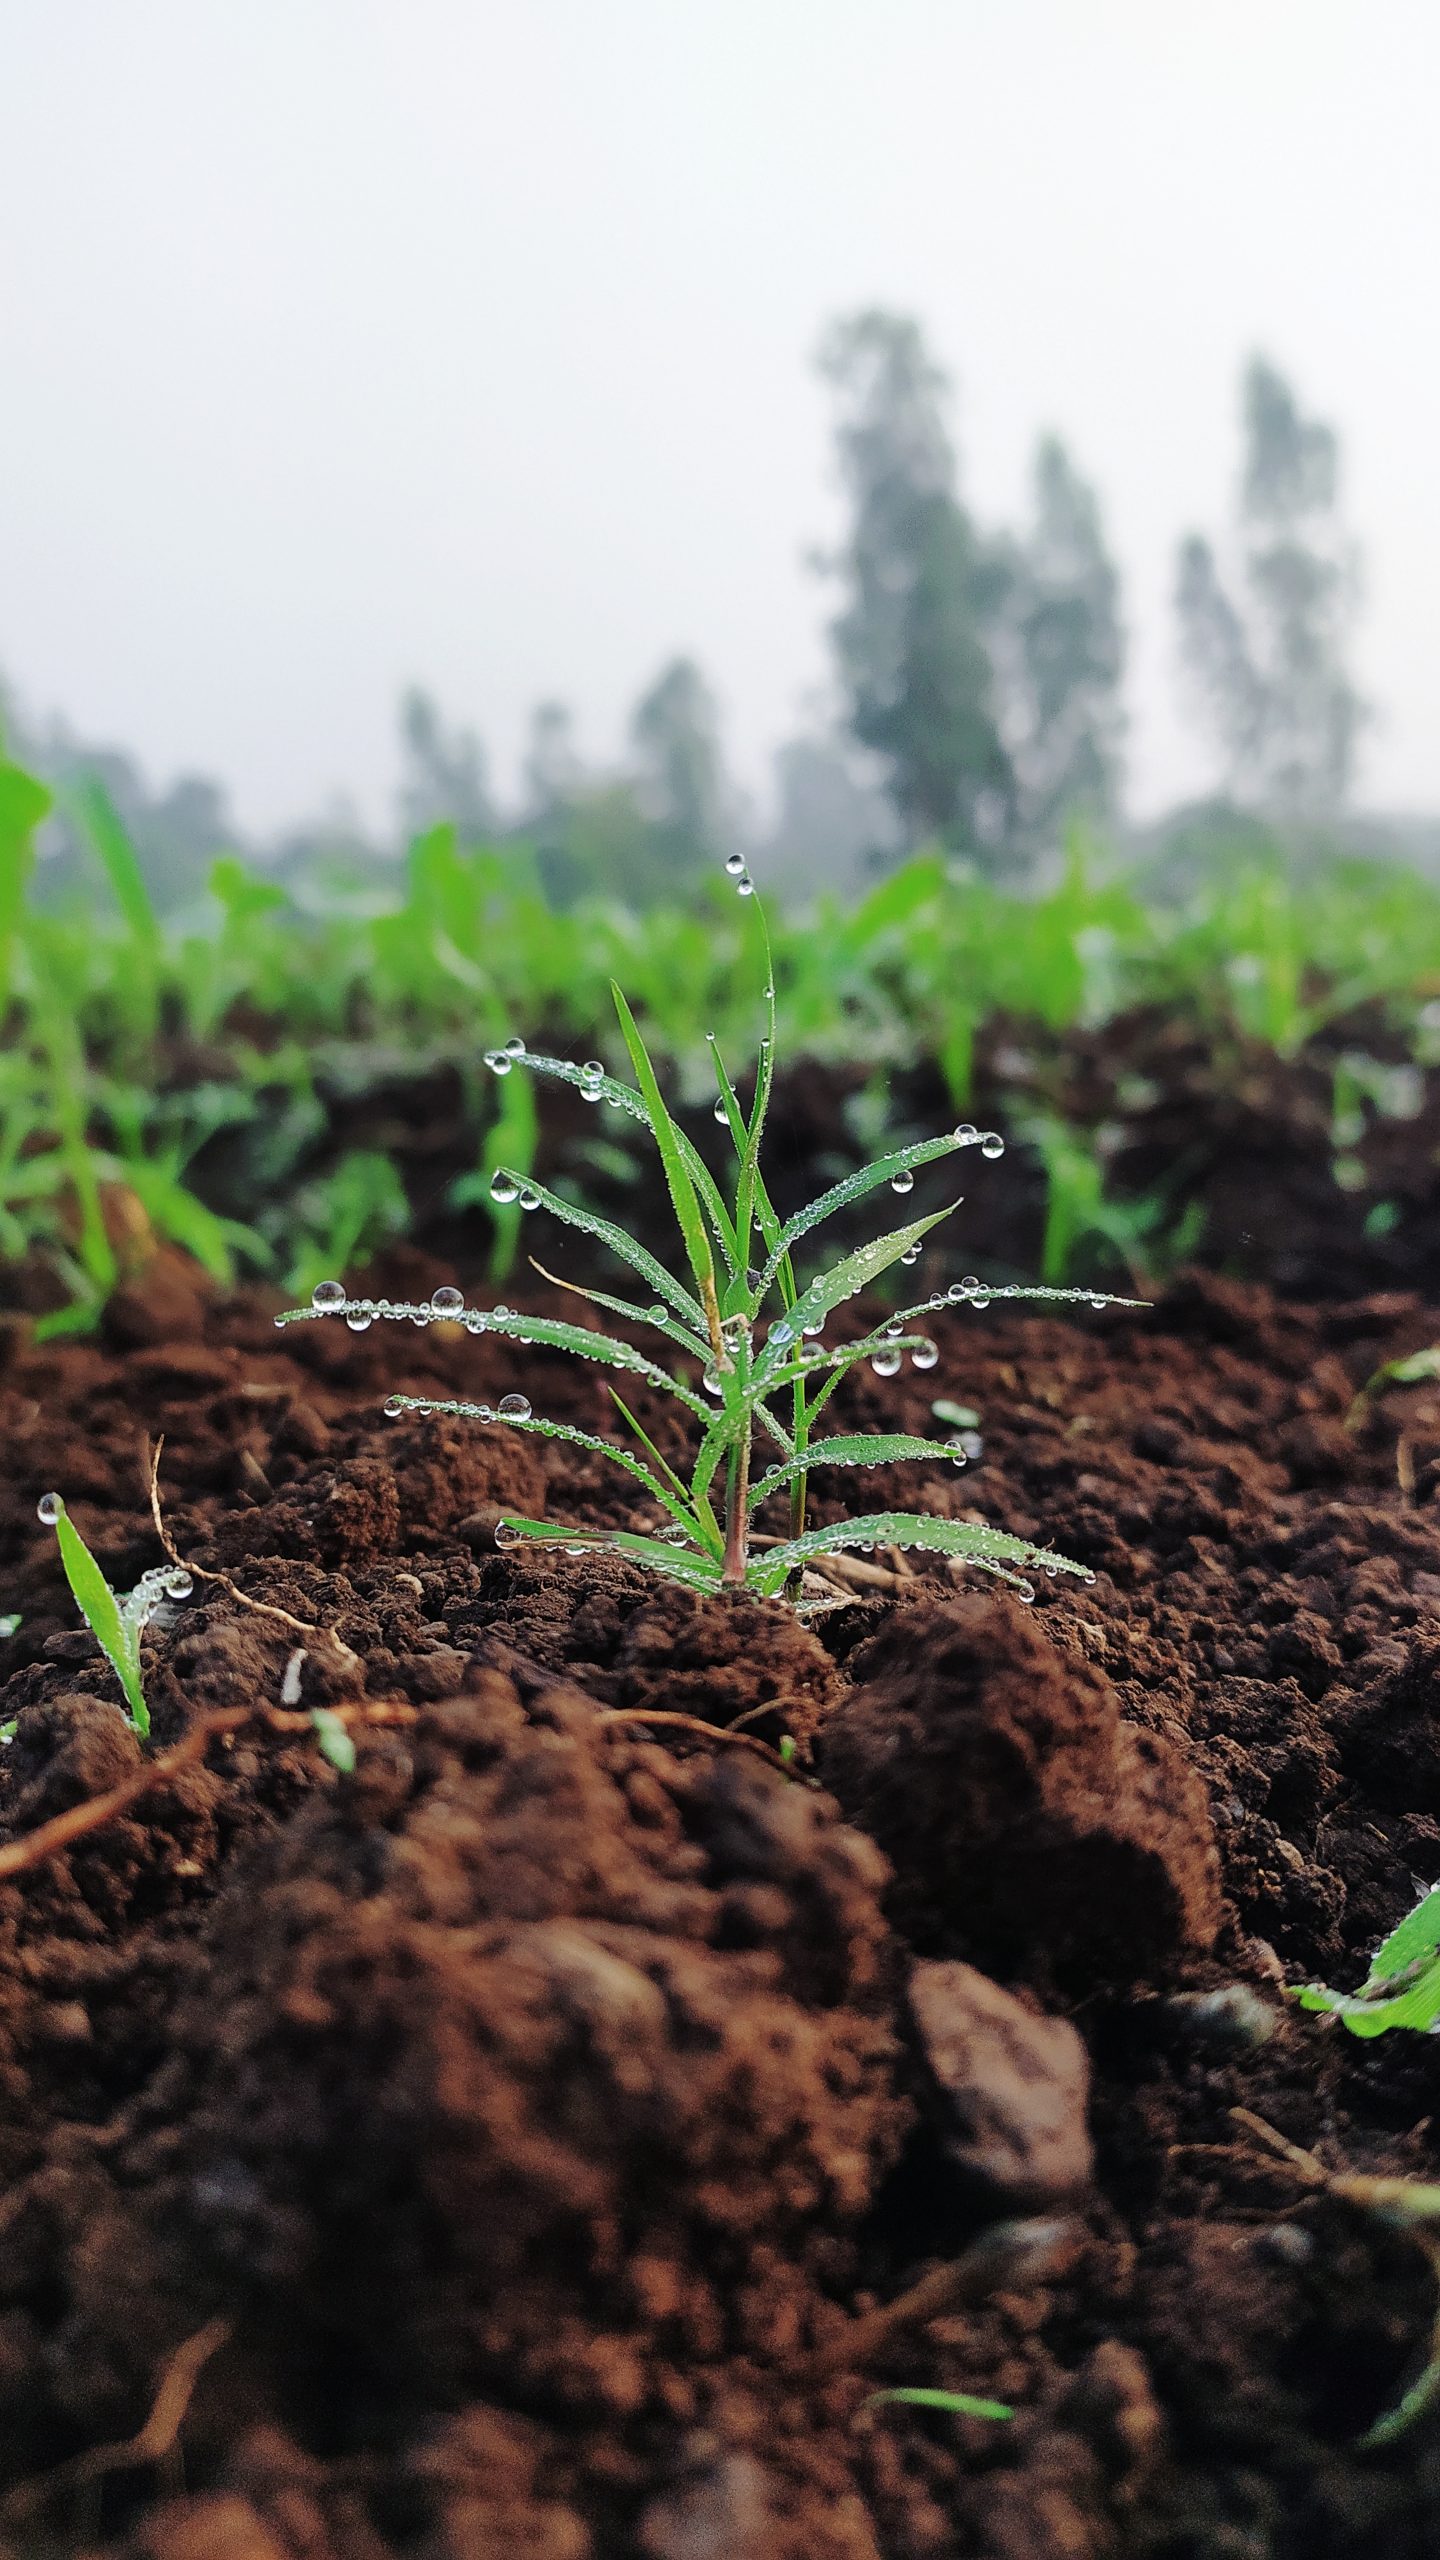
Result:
[{"x": 737, "y": 1517}]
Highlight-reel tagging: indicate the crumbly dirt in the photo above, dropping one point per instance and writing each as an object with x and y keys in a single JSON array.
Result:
[{"x": 507, "y": 2149}]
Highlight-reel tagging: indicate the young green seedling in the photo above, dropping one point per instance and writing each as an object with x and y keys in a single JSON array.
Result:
[
  {"x": 752, "y": 1329},
  {"x": 1402, "y": 1987},
  {"x": 117, "y": 1625},
  {"x": 955, "y": 2404}
]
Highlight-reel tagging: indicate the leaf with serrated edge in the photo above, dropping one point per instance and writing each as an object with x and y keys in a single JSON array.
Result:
[
  {"x": 543, "y": 1429},
  {"x": 844, "y": 1279},
  {"x": 851, "y": 1449},
  {"x": 701, "y": 1573},
  {"x": 854, "y": 1187},
  {"x": 545, "y": 1332},
  {"x": 993, "y": 1549}
]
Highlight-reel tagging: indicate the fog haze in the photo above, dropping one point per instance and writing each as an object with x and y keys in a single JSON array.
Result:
[{"x": 355, "y": 342}]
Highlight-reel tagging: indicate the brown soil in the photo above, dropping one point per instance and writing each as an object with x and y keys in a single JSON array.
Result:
[{"x": 507, "y": 2149}]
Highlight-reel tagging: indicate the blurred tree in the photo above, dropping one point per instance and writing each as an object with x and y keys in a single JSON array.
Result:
[
  {"x": 553, "y": 771},
  {"x": 443, "y": 773},
  {"x": 833, "y": 824},
  {"x": 675, "y": 733},
  {"x": 926, "y": 591},
  {"x": 1064, "y": 657},
  {"x": 1266, "y": 649}
]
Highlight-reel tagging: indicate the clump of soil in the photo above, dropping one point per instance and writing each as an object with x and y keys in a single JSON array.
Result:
[{"x": 546, "y": 2138}]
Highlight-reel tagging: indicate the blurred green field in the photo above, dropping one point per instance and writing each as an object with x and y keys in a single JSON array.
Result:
[{"x": 139, "y": 1054}]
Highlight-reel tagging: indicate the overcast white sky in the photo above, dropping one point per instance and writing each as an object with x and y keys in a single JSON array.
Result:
[{"x": 346, "y": 342}]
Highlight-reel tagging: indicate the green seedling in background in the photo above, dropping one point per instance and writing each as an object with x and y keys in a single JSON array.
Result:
[
  {"x": 762, "y": 1375},
  {"x": 1411, "y": 1371},
  {"x": 117, "y": 1625},
  {"x": 955, "y": 2404},
  {"x": 1402, "y": 1987}
]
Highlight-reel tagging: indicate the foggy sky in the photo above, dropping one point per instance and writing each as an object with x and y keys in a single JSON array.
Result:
[{"x": 354, "y": 342}]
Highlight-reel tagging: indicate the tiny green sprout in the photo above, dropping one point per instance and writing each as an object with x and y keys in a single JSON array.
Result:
[
  {"x": 1412, "y": 1371},
  {"x": 752, "y": 1368},
  {"x": 956, "y": 2404},
  {"x": 335, "y": 1743},
  {"x": 1402, "y": 1987},
  {"x": 117, "y": 1625}
]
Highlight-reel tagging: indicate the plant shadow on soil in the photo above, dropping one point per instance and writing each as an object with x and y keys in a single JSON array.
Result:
[{"x": 543, "y": 2111}]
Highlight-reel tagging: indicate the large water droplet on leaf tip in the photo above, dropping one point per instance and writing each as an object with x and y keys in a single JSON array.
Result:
[
  {"x": 50, "y": 1508},
  {"x": 992, "y": 1144},
  {"x": 735, "y": 864},
  {"x": 503, "y": 1189}
]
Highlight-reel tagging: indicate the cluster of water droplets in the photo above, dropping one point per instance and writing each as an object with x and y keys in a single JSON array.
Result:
[
  {"x": 737, "y": 870},
  {"x": 500, "y": 1061},
  {"x": 507, "y": 1187}
]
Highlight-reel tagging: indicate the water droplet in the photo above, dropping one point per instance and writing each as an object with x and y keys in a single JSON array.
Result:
[
  {"x": 1098, "y": 1298},
  {"x": 591, "y": 1093},
  {"x": 505, "y": 1535},
  {"x": 497, "y": 1062},
  {"x": 328, "y": 1293},
  {"x": 177, "y": 1583},
  {"x": 810, "y": 1330},
  {"x": 780, "y": 1334},
  {"x": 911, "y": 1253},
  {"x": 924, "y": 1355},
  {"x": 959, "y": 1454},
  {"x": 722, "y": 1115},
  {"x": 768, "y": 993},
  {"x": 503, "y": 1189},
  {"x": 885, "y": 1363},
  {"x": 418, "y": 1315},
  {"x": 902, "y": 1181},
  {"x": 447, "y": 1302},
  {"x": 50, "y": 1508},
  {"x": 655, "y": 1313},
  {"x": 992, "y": 1144},
  {"x": 474, "y": 1321},
  {"x": 711, "y": 1383},
  {"x": 574, "y": 1550},
  {"x": 515, "y": 1048},
  {"x": 745, "y": 885},
  {"x": 529, "y": 1197},
  {"x": 1025, "y": 1593},
  {"x": 513, "y": 1409},
  {"x": 674, "y": 1535},
  {"x": 969, "y": 1285},
  {"x": 393, "y": 1407},
  {"x": 967, "y": 1135},
  {"x": 359, "y": 1320},
  {"x": 500, "y": 1315},
  {"x": 593, "y": 1071},
  {"x": 735, "y": 864},
  {"x": 980, "y": 1300}
]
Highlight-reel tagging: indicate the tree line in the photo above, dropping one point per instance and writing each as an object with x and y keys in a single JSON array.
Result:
[{"x": 978, "y": 677}]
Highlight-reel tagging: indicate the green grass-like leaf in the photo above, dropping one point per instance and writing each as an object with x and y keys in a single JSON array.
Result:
[{"x": 116, "y": 1636}]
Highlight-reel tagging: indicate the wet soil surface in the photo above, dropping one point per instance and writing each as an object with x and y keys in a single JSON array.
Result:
[{"x": 544, "y": 2139}]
